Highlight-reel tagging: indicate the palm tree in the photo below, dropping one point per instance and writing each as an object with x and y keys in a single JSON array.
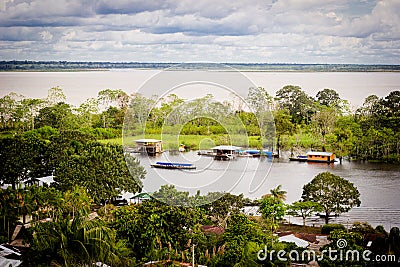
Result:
[
  {"x": 278, "y": 193},
  {"x": 76, "y": 242}
]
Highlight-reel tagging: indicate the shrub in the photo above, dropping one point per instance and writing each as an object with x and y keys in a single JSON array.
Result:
[{"x": 328, "y": 228}]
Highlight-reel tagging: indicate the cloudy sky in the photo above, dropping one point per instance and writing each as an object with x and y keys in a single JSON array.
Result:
[{"x": 280, "y": 31}]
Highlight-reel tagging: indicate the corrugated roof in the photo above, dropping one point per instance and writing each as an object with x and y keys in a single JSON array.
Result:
[
  {"x": 147, "y": 141},
  {"x": 226, "y": 147},
  {"x": 316, "y": 153},
  {"x": 292, "y": 239}
]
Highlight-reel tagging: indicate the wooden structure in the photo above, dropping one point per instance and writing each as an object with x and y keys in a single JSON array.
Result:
[
  {"x": 225, "y": 152},
  {"x": 139, "y": 198},
  {"x": 315, "y": 156},
  {"x": 149, "y": 146}
]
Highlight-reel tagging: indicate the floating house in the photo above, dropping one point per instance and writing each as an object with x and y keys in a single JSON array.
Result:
[
  {"x": 225, "y": 152},
  {"x": 315, "y": 156},
  {"x": 149, "y": 146}
]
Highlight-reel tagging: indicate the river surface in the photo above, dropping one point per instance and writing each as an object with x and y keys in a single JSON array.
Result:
[
  {"x": 379, "y": 184},
  {"x": 79, "y": 86}
]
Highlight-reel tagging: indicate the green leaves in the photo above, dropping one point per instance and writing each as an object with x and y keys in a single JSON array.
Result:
[
  {"x": 75, "y": 242},
  {"x": 335, "y": 194},
  {"x": 102, "y": 170}
]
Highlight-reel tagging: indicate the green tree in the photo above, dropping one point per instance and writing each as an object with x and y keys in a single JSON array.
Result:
[
  {"x": 55, "y": 95},
  {"x": 272, "y": 209},
  {"x": 328, "y": 97},
  {"x": 303, "y": 209},
  {"x": 22, "y": 158},
  {"x": 102, "y": 170},
  {"x": 243, "y": 239},
  {"x": 59, "y": 116},
  {"x": 283, "y": 125},
  {"x": 323, "y": 122},
  {"x": 335, "y": 194},
  {"x": 223, "y": 205},
  {"x": 152, "y": 226},
  {"x": 74, "y": 242},
  {"x": 77, "y": 200},
  {"x": 278, "y": 193},
  {"x": 299, "y": 104}
]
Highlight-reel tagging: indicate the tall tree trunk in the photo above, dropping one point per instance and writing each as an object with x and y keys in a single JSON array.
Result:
[{"x": 327, "y": 217}]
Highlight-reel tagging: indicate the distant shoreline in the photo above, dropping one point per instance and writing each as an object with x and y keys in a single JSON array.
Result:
[{"x": 70, "y": 66}]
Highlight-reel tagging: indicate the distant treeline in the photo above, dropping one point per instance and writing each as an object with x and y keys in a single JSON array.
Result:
[{"x": 67, "y": 65}]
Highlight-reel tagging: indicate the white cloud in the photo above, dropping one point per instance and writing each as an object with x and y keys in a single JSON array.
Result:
[
  {"x": 46, "y": 35},
  {"x": 307, "y": 31}
]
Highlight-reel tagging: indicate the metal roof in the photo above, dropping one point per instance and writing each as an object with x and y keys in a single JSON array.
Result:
[
  {"x": 316, "y": 153},
  {"x": 148, "y": 141},
  {"x": 226, "y": 148},
  {"x": 293, "y": 239}
]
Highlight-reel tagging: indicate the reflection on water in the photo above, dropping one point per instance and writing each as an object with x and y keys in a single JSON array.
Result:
[{"x": 378, "y": 183}]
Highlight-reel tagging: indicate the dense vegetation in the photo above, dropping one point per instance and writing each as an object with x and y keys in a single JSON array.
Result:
[
  {"x": 74, "y": 224},
  {"x": 300, "y": 122}
]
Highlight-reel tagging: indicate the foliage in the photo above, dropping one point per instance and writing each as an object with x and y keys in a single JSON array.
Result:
[
  {"x": 102, "y": 170},
  {"x": 335, "y": 194},
  {"x": 330, "y": 227},
  {"x": 243, "y": 239},
  {"x": 299, "y": 104},
  {"x": 273, "y": 210},
  {"x": 152, "y": 226},
  {"x": 22, "y": 158},
  {"x": 304, "y": 209},
  {"x": 223, "y": 205},
  {"x": 74, "y": 242}
]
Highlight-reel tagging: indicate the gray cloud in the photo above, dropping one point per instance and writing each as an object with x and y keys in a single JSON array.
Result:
[{"x": 309, "y": 31}]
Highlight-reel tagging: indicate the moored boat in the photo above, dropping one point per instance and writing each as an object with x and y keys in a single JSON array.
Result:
[
  {"x": 299, "y": 158},
  {"x": 315, "y": 156},
  {"x": 173, "y": 165}
]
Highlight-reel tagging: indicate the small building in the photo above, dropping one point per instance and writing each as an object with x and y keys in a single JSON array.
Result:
[
  {"x": 149, "y": 146},
  {"x": 291, "y": 238},
  {"x": 225, "y": 152},
  {"x": 315, "y": 156},
  {"x": 10, "y": 256},
  {"x": 139, "y": 198}
]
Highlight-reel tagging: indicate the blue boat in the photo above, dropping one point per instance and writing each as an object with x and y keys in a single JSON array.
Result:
[
  {"x": 173, "y": 165},
  {"x": 258, "y": 153}
]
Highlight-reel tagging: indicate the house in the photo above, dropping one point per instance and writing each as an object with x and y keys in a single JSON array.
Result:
[
  {"x": 10, "y": 256},
  {"x": 139, "y": 198},
  {"x": 225, "y": 152},
  {"x": 305, "y": 240},
  {"x": 294, "y": 239},
  {"x": 149, "y": 146},
  {"x": 315, "y": 156}
]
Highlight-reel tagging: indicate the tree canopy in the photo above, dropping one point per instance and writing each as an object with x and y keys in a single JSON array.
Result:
[{"x": 335, "y": 194}]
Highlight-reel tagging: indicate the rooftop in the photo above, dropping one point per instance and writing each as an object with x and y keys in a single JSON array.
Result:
[
  {"x": 226, "y": 148},
  {"x": 316, "y": 153},
  {"x": 147, "y": 141}
]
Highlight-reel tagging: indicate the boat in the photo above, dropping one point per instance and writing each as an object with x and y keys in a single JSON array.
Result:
[
  {"x": 324, "y": 157},
  {"x": 225, "y": 152},
  {"x": 173, "y": 165},
  {"x": 206, "y": 153},
  {"x": 315, "y": 156},
  {"x": 301, "y": 158}
]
